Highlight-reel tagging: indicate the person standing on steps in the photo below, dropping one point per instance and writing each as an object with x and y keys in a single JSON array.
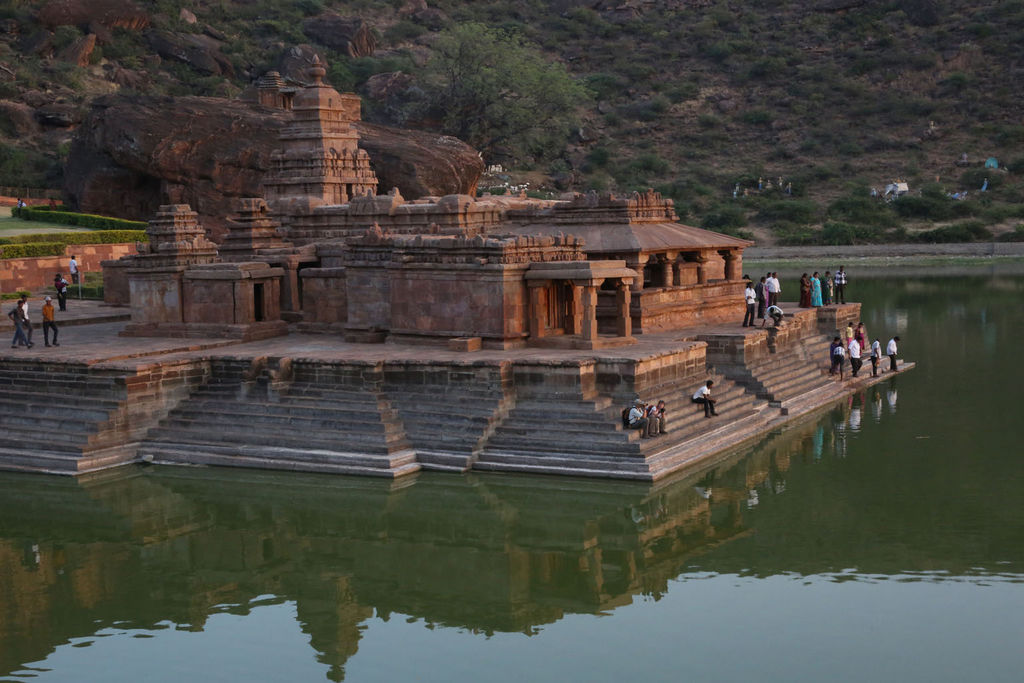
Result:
[
  {"x": 751, "y": 298},
  {"x": 838, "y": 354},
  {"x": 892, "y": 352},
  {"x": 840, "y": 280},
  {"x": 25, "y": 321},
  {"x": 815, "y": 290},
  {"x": 762, "y": 293},
  {"x": 778, "y": 289},
  {"x": 49, "y": 323},
  {"x": 876, "y": 355},
  {"x": 855, "y": 361},
  {"x": 827, "y": 288},
  {"x": 703, "y": 396},
  {"x": 772, "y": 285}
]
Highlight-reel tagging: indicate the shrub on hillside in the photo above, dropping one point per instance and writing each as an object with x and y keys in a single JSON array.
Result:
[
  {"x": 789, "y": 210},
  {"x": 968, "y": 231},
  {"x": 862, "y": 210},
  {"x": 724, "y": 218},
  {"x": 839, "y": 233},
  {"x": 91, "y": 237}
]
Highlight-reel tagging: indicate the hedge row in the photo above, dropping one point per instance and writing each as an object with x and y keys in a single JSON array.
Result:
[
  {"x": 84, "y": 220},
  {"x": 54, "y": 244},
  {"x": 93, "y": 237}
]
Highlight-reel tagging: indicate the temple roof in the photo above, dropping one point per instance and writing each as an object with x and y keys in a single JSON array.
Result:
[{"x": 607, "y": 224}]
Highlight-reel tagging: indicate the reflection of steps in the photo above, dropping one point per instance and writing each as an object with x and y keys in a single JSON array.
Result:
[
  {"x": 448, "y": 425},
  {"x": 270, "y": 423},
  {"x": 61, "y": 418}
]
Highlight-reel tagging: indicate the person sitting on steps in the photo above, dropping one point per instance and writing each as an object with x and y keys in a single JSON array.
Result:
[
  {"x": 656, "y": 419},
  {"x": 703, "y": 396},
  {"x": 637, "y": 419}
]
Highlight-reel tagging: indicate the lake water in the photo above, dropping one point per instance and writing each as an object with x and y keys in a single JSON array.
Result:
[{"x": 882, "y": 540}]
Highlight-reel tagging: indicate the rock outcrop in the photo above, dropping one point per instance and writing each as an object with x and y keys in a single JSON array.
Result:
[
  {"x": 133, "y": 154},
  {"x": 110, "y": 13},
  {"x": 353, "y": 37},
  {"x": 200, "y": 52}
]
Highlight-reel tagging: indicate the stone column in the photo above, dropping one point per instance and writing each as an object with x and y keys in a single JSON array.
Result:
[
  {"x": 733, "y": 265},
  {"x": 637, "y": 263},
  {"x": 702, "y": 269},
  {"x": 574, "y": 322},
  {"x": 589, "y": 330},
  {"x": 623, "y": 321},
  {"x": 677, "y": 266},
  {"x": 538, "y": 308},
  {"x": 667, "y": 276}
]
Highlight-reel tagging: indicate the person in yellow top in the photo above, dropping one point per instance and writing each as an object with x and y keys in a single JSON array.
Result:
[{"x": 48, "y": 323}]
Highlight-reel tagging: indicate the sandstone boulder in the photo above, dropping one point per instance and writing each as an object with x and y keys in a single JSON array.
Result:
[
  {"x": 136, "y": 153},
  {"x": 59, "y": 115},
  {"x": 294, "y": 63},
  {"x": 17, "y": 119},
  {"x": 80, "y": 51},
  {"x": 110, "y": 13},
  {"x": 353, "y": 37},
  {"x": 200, "y": 52}
]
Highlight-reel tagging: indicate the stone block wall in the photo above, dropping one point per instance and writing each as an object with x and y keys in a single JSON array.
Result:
[
  {"x": 38, "y": 272},
  {"x": 116, "y": 291},
  {"x": 156, "y": 297},
  {"x": 324, "y": 297},
  {"x": 625, "y": 379}
]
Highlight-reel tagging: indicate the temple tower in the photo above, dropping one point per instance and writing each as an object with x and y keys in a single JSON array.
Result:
[{"x": 319, "y": 161}]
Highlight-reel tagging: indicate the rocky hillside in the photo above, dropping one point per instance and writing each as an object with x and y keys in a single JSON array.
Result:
[{"x": 696, "y": 98}]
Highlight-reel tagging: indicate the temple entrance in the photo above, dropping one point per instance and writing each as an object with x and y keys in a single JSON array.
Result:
[{"x": 257, "y": 301}]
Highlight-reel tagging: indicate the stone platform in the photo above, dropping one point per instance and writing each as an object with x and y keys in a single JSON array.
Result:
[{"x": 316, "y": 403}]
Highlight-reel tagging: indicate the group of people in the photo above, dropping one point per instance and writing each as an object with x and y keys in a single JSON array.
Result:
[
  {"x": 651, "y": 418},
  {"x": 762, "y": 298},
  {"x": 855, "y": 343},
  {"x": 19, "y": 315},
  {"x": 23, "y": 324}
]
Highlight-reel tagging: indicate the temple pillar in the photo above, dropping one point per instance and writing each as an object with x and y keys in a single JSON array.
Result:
[
  {"x": 702, "y": 269},
  {"x": 733, "y": 265},
  {"x": 538, "y": 309},
  {"x": 667, "y": 274},
  {"x": 589, "y": 296},
  {"x": 574, "y": 321},
  {"x": 637, "y": 263},
  {"x": 623, "y": 320}
]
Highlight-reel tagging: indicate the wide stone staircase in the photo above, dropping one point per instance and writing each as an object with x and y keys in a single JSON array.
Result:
[
  {"x": 62, "y": 418},
  {"x": 268, "y": 418},
  {"x": 790, "y": 377},
  {"x": 448, "y": 425}
]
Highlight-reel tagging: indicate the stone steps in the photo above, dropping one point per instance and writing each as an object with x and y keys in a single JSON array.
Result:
[
  {"x": 271, "y": 412},
  {"x": 331, "y": 462}
]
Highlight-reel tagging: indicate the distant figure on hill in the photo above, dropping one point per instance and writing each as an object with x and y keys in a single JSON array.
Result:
[
  {"x": 736, "y": 191},
  {"x": 984, "y": 186},
  {"x": 840, "y": 279},
  {"x": 73, "y": 269},
  {"x": 703, "y": 396}
]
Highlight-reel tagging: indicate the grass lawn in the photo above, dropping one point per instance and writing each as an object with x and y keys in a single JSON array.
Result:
[{"x": 15, "y": 226}]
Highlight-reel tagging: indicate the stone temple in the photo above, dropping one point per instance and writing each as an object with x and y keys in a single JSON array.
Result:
[{"x": 343, "y": 328}]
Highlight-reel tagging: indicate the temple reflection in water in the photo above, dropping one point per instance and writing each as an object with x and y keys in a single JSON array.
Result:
[{"x": 144, "y": 548}]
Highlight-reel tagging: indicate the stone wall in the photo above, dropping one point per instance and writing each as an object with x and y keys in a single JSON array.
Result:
[{"x": 38, "y": 272}]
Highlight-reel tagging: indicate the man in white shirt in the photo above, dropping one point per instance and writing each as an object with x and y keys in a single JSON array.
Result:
[
  {"x": 751, "y": 297},
  {"x": 637, "y": 420},
  {"x": 876, "y": 355},
  {"x": 855, "y": 361},
  {"x": 25, "y": 320},
  {"x": 891, "y": 351},
  {"x": 778, "y": 289},
  {"x": 73, "y": 269},
  {"x": 703, "y": 396}
]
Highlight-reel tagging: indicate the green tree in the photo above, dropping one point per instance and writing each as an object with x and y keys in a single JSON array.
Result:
[{"x": 492, "y": 89}]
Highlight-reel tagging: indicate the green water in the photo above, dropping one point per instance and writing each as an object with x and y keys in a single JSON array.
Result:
[{"x": 880, "y": 541}]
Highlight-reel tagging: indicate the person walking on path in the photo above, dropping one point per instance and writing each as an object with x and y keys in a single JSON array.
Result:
[
  {"x": 61, "y": 285},
  {"x": 751, "y": 298},
  {"x": 841, "y": 285},
  {"x": 17, "y": 315},
  {"x": 815, "y": 289},
  {"x": 855, "y": 361},
  {"x": 703, "y": 396},
  {"x": 892, "y": 352},
  {"x": 26, "y": 322},
  {"x": 876, "y": 355},
  {"x": 73, "y": 269},
  {"x": 861, "y": 335},
  {"x": 49, "y": 323}
]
